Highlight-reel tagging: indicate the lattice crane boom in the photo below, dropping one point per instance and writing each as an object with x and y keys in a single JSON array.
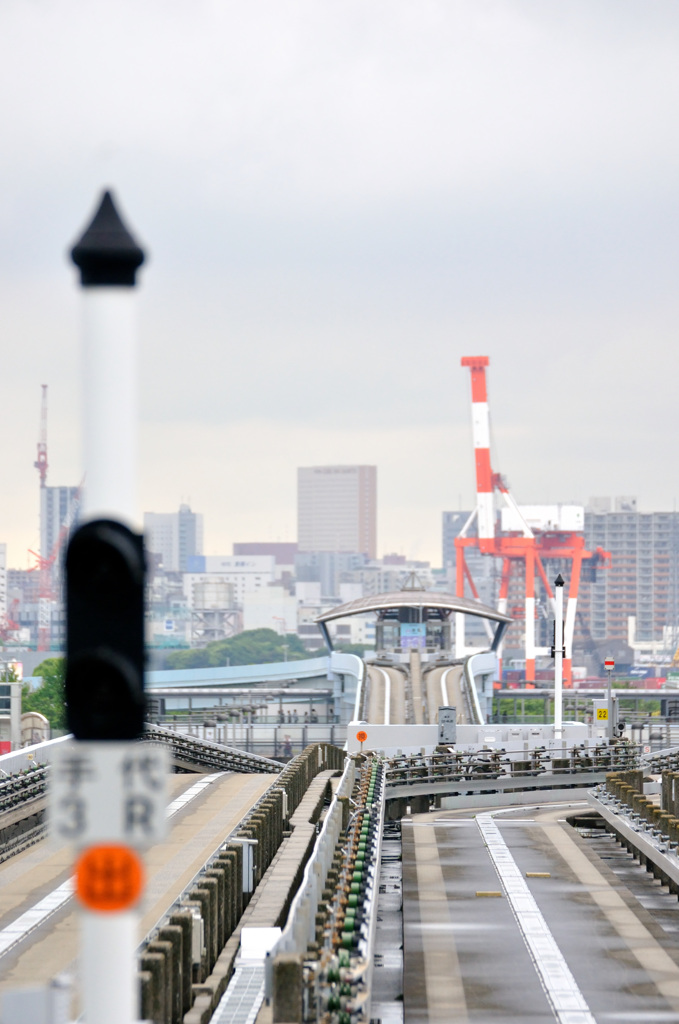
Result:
[
  {"x": 41, "y": 462},
  {"x": 519, "y": 545}
]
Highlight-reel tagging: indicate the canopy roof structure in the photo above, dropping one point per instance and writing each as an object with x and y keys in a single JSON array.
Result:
[
  {"x": 446, "y": 603},
  {"x": 413, "y": 598}
]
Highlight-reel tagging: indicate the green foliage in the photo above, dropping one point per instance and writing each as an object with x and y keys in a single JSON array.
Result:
[
  {"x": 253, "y": 647},
  {"x": 533, "y": 707},
  {"x": 349, "y": 649},
  {"x": 48, "y": 698}
]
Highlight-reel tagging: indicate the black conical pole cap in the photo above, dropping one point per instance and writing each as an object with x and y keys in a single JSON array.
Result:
[{"x": 107, "y": 254}]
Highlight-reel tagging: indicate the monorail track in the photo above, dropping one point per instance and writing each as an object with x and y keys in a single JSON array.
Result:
[
  {"x": 407, "y": 695},
  {"x": 27, "y": 879}
]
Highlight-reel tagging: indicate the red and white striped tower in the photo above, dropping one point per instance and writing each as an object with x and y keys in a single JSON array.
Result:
[
  {"x": 578, "y": 545},
  {"x": 517, "y": 544},
  {"x": 485, "y": 519},
  {"x": 502, "y": 604},
  {"x": 529, "y": 642}
]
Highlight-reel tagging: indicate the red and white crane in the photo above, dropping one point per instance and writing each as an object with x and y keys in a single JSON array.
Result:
[
  {"x": 519, "y": 545},
  {"x": 46, "y": 561},
  {"x": 41, "y": 461}
]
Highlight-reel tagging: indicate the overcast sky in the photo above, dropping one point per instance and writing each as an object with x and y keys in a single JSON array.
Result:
[{"x": 339, "y": 200}]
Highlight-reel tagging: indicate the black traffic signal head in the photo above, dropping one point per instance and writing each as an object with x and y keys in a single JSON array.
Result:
[{"x": 105, "y": 571}]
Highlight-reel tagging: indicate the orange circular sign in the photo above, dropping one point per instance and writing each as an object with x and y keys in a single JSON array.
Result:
[
  {"x": 361, "y": 736},
  {"x": 109, "y": 878}
]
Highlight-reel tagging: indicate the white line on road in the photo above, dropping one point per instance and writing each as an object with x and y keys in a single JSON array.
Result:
[
  {"x": 27, "y": 922},
  {"x": 566, "y": 999},
  {"x": 387, "y": 695}
]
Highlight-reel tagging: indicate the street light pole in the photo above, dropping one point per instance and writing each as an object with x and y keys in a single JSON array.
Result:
[
  {"x": 609, "y": 665},
  {"x": 558, "y": 657}
]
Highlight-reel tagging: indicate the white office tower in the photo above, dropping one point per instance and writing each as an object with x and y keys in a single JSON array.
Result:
[
  {"x": 337, "y": 509},
  {"x": 176, "y": 536}
]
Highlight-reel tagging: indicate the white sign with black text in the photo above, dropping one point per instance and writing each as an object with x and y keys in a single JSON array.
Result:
[{"x": 108, "y": 792}]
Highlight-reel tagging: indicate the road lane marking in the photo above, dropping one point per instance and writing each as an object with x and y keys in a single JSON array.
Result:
[
  {"x": 566, "y": 999},
  {"x": 31, "y": 919},
  {"x": 445, "y": 992}
]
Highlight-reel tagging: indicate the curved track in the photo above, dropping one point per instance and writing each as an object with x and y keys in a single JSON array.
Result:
[
  {"x": 443, "y": 686},
  {"x": 394, "y": 699},
  {"x": 387, "y": 703}
]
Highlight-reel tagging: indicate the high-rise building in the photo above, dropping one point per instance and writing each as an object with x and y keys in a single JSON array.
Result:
[
  {"x": 58, "y": 508},
  {"x": 337, "y": 509},
  {"x": 3, "y": 580},
  {"x": 642, "y": 582},
  {"x": 176, "y": 536}
]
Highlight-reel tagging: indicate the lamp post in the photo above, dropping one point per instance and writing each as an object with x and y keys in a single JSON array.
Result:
[
  {"x": 558, "y": 657},
  {"x": 609, "y": 665}
]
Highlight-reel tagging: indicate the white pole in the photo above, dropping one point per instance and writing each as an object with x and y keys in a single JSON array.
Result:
[
  {"x": 108, "y": 258},
  {"x": 558, "y": 658},
  {"x": 110, "y": 404},
  {"x": 107, "y": 967}
]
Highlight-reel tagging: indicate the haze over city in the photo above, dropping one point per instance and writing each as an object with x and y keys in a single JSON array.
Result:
[{"x": 339, "y": 203}]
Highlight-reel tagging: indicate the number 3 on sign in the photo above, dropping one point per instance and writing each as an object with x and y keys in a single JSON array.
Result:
[{"x": 602, "y": 713}]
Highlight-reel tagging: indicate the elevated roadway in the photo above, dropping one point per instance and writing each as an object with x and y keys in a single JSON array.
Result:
[
  {"x": 515, "y": 917},
  {"x": 214, "y": 806}
]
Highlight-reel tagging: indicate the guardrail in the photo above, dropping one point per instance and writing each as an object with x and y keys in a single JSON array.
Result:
[
  {"x": 471, "y": 696},
  {"x": 648, "y": 831},
  {"x": 24, "y": 785},
  {"x": 464, "y": 765},
  {"x": 362, "y": 693},
  {"x": 417, "y": 781}
]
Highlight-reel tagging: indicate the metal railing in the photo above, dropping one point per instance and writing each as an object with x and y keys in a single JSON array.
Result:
[
  {"x": 193, "y": 750},
  {"x": 461, "y": 766}
]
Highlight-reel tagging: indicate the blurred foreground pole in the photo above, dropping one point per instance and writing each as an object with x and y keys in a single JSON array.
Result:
[
  {"x": 105, "y": 565},
  {"x": 558, "y": 657},
  {"x": 108, "y": 258}
]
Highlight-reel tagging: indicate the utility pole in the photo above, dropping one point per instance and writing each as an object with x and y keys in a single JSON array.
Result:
[{"x": 108, "y": 790}]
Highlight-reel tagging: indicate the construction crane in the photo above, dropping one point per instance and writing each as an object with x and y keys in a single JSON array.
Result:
[
  {"x": 520, "y": 546},
  {"x": 47, "y": 595},
  {"x": 41, "y": 461},
  {"x": 45, "y": 561}
]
